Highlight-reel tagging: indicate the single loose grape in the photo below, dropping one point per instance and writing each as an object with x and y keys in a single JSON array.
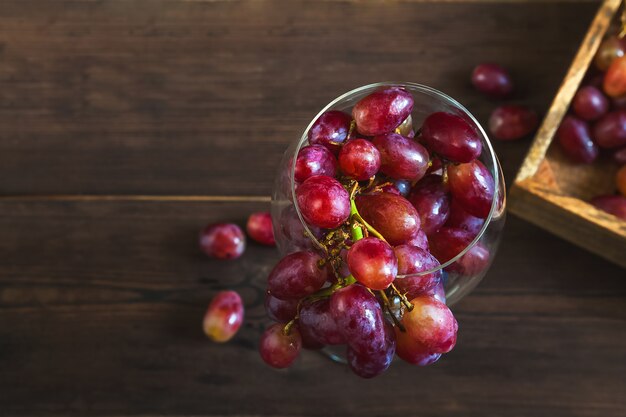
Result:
[
  {"x": 223, "y": 241},
  {"x": 492, "y": 80},
  {"x": 260, "y": 229},
  {"x": 224, "y": 316}
]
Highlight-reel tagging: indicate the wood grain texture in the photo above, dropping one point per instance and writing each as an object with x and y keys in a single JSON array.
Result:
[
  {"x": 101, "y": 305},
  {"x": 184, "y": 97}
]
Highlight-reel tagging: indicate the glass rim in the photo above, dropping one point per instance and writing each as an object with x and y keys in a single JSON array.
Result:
[{"x": 497, "y": 170}]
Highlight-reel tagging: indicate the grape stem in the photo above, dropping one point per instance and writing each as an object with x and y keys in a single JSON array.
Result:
[{"x": 354, "y": 215}]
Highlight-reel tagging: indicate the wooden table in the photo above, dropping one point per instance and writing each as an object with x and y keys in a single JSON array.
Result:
[{"x": 126, "y": 125}]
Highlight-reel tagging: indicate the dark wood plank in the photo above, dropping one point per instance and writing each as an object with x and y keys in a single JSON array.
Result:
[
  {"x": 194, "y": 97},
  {"x": 101, "y": 303}
]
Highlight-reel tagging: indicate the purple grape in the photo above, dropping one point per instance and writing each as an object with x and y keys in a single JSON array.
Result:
[
  {"x": 403, "y": 187},
  {"x": 318, "y": 324},
  {"x": 451, "y": 136},
  {"x": 610, "y": 131},
  {"x": 414, "y": 260},
  {"x": 291, "y": 228},
  {"x": 297, "y": 275},
  {"x": 492, "y": 80},
  {"x": 359, "y": 318},
  {"x": 590, "y": 103},
  {"x": 279, "y": 310},
  {"x": 401, "y": 158},
  {"x": 461, "y": 219},
  {"x": 575, "y": 140},
  {"x": 314, "y": 160},
  {"x": 330, "y": 130},
  {"x": 420, "y": 240},
  {"x": 432, "y": 202},
  {"x": 323, "y": 202},
  {"x": 374, "y": 363},
  {"x": 382, "y": 111}
]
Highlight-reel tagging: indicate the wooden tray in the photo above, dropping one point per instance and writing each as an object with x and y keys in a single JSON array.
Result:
[{"x": 552, "y": 192}]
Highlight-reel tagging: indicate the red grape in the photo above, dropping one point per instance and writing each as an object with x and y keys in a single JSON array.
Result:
[
  {"x": 609, "y": 49},
  {"x": 382, "y": 111},
  {"x": 391, "y": 215},
  {"x": 373, "y": 263},
  {"x": 330, "y": 130},
  {"x": 619, "y": 102},
  {"x": 401, "y": 158},
  {"x": 620, "y": 180},
  {"x": 412, "y": 351},
  {"x": 359, "y": 159},
  {"x": 259, "y": 228},
  {"x": 277, "y": 349},
  {"x": 461, "y": 219},
  {"x": 589, "y": 103},
  {"x": 297, "y": 275},
  {"x": 373, "y": 363},
  {"x": 511, "y": 122},
  {"x": 451, "y": 136},
  {"x": 612, "y": 204},
  {"x": 610, "y": 130},
  {"x": 431, "y": 324},
  {"x": 318, "y": 324},
  {"x": 575, "y": 140},
  {"x": 419, "y": 240},
  {"x": 314, "y": 160},
  {"x": 223, "y": 241},
  {"x": 614, "y": 83},
  {"x": 435, "y": 166},
  {"x": 619, "y": 156},
  {"x": 359, "y": 318},
  {"x": 279, "y": 310},
  {"x": 223, "y": 317},
  {"x": 472, "y": 186},
  {"x": 492, "y": 80},
  {"x": 448, "y": 242},
  {"x": 323, "y": 202},
  {"x": 432, "y": 202},
  {"x": 413, "y": 260},
  {"x": 390, "y": 188}
]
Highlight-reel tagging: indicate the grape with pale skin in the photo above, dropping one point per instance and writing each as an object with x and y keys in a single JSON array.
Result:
[
  {"x": 224, "y": 316},
  {"x": 432, "y": 324},
  {"x": 610, "y": 48}
]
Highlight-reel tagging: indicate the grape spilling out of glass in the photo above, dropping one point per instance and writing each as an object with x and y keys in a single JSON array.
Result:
[{"x": 385, "y": 204}]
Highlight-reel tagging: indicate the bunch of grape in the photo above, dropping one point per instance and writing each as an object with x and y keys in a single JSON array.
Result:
[
  {"x": 387, "y": 205},
  {"x": 597, "y": 120}
]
